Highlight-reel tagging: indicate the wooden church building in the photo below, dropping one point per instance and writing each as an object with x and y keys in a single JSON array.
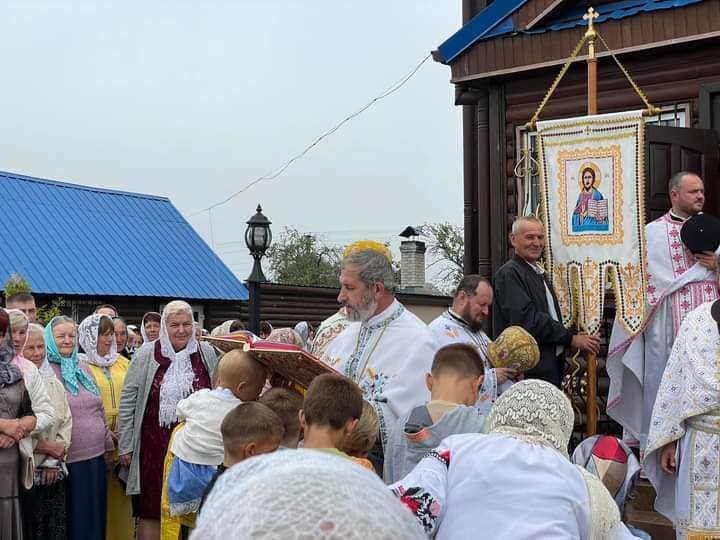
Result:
[{"x": 505, "y": 58}]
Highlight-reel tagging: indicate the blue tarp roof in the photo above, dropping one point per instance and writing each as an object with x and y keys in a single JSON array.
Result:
[
  {"x": 71, "y": 239},
  {"x": 496, "y": 20}
]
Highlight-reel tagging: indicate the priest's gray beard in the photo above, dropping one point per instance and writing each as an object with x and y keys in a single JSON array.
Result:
[{"x": 362, "y": 311}]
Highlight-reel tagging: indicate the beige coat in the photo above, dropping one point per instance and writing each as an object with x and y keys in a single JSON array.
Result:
[{"x": 61, "y": 428}]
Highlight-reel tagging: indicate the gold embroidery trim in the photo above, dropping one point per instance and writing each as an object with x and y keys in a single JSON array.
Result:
[{"x": 629, "y": 281}]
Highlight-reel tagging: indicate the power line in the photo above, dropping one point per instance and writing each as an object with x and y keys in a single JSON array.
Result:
[{"x": 281, "y": 169}]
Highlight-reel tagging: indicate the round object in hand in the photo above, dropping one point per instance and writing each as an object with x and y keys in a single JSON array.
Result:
[{"x": 514, "y": 348}]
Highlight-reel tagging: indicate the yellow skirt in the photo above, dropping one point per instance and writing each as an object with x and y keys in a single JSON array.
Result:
[
  {"x": 120, "y": 521},
  {"x": 169, "y": 525}
]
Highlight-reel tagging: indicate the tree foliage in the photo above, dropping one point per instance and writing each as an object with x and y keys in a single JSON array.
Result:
[
  {"x": 15, "y": 284},
  {"x": 302, "y": 259},
  {"x": 446, "y": 244}
]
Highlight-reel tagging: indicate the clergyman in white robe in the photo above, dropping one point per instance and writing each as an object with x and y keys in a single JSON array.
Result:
[
  {"x": 387, "y": 356},
  {"x": 677, "y": 284},
  {"x": 687, "y": 412},
  {"x": 450, "y": 328}
]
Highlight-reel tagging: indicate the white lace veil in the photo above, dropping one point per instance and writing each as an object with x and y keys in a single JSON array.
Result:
[
  {"x": 88, "y": 338},
  {"x": 177, "y": 382},
  {"x": 298, "y": 494},
  {"x": 534, "y": 411}
]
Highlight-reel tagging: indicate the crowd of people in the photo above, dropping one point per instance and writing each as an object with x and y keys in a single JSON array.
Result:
[{"x": 109, "y": 430}]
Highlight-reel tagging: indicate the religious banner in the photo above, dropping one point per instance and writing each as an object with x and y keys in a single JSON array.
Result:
[{"x": 592, "y": 183}]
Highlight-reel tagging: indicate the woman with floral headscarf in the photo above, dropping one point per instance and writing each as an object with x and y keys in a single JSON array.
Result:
[
  {"x": 91, "y": 440},
  {"x": 516, "y": 481},
  {"x": 16, "y": 422},
  {"x": 174, "y": 367},
  {"x": 96, "y": 335}
]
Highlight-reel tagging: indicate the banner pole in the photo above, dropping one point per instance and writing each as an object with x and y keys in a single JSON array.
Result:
[
  {"x": 590, "y": 36},
  {"x": 591, "y": 359}
]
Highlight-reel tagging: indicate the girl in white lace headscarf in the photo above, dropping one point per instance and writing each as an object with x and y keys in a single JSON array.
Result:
[
  {"x": 300, "y": 494},
  {"x": 514, "y": 482}
]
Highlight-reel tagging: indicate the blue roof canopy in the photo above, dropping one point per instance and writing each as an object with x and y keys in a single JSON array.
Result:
[
  {"x": 71, "y": 239},
  {"x": 496, "y": 20},
  {"x": 477, "y": 28}
]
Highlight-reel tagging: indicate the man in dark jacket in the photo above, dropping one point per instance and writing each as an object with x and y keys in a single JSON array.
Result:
[{"x": 523, "y": 297}]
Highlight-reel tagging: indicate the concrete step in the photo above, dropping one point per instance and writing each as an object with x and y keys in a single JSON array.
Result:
[
  {"x": 657, "y": 526},
  {"x": 643, "y": 497}
]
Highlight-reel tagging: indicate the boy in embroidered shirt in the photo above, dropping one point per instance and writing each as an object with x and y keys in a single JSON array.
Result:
[
  {"x": 197, "y": 448},
  {"x": 248, "y": 430},
  {"x": 454, "y": 382},
  {"x": 286, "y": 403},
  {"x": 331, "y": 409}
]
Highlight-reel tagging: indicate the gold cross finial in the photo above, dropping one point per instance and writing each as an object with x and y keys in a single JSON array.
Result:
[{"x": 589, "y": 17}]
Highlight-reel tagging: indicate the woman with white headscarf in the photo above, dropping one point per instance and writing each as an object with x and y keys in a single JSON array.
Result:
[
  {"x": 303, "y": 494},
  {"x": 44, "y": 507},
  {"x": 174, "y": 367},
  {"x": 96, "y": 335},
  {"x": 516, "y": 481}
]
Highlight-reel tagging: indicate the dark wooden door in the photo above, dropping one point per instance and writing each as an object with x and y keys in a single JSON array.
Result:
[{"x": 672, "y": 149}]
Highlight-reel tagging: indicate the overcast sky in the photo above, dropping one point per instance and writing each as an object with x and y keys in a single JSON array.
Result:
[{"x": 194, "y": 99}]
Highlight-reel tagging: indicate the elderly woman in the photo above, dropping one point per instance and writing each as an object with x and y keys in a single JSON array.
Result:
[
  {"x": 45, "y": 504},
  {"x": 96, "y": 335},
  {"x": 150, "y": 327},
  {"x": 91, "y": 439},
  {"x": 122, "y": 337},
  {"x": 16, "y": 422},
  {"x": 514, "y": 482},
  {"x": 159, "y": 377}
]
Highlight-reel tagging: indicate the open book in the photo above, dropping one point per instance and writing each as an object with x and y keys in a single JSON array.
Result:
[
  {"x": 290, "y": 361},
  {"x": 598, "y": 209}
]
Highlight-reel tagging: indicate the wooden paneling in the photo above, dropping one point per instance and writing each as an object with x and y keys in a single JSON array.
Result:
[{"x": 529, "y": 51}]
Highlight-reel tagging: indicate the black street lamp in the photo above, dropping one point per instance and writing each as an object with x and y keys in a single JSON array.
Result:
[{"x": 257, "y": 238}]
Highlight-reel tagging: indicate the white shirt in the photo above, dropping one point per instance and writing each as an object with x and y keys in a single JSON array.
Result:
[
  {"x": 200, "y": 441},
  {"x": 388, "y": 356},
  {"x": 39, "y": 399},
  {"x": 495, "y": 486}
]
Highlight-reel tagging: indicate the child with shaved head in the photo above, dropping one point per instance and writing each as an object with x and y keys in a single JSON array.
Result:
[{"x": 197, "y": 448}]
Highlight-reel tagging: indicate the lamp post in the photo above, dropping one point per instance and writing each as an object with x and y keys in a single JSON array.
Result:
[{"x": 257, "y": 238}]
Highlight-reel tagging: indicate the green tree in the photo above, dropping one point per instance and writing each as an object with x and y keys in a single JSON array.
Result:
[
  {"x": 302, "y": 259},
  {"x": 15, "y": 284},
  {"x": 446, "y": 244}
]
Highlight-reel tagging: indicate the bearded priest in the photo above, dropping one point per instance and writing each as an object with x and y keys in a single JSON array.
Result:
[{"x": 386, "y": 349}]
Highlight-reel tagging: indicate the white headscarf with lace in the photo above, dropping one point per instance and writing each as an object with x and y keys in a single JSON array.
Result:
[
  {"x": 534, "y": 411},
  {"x": 88, "y": 332},
  {"x": 295, "y": 494},
  {"x": 178, "y": 380}
]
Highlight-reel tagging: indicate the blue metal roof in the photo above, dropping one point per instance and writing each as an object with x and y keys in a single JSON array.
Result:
[
  {"x": 612, "y": 11},
  {"x": 70, "y": 239},
  {"x": 477, "y": 28},
  {"x": 496, "y": 20}
]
